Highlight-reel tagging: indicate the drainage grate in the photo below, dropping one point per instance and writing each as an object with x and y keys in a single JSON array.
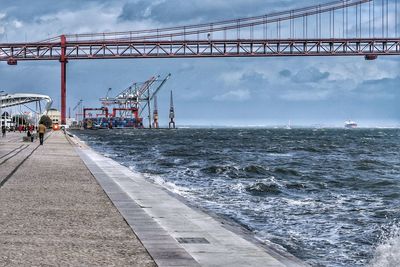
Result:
[{"x": 192, "y": 240}]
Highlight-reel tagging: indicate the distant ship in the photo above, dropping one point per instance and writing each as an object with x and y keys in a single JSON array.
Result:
[{"x": 350, "y": 124}]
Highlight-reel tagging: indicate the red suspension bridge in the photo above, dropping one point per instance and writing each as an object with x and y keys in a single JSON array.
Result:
[{"x": 342, "y": 28}]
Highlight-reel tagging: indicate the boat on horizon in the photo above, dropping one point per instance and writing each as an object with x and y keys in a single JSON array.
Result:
[
  {"x": 350, "y": 124},
  {"x": 288, "y": 126}
]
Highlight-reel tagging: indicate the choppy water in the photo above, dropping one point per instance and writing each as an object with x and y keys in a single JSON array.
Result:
[{"x": 331, "y": 197}]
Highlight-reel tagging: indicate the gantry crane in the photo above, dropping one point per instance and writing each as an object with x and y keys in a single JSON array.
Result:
[
  {"x": 155, "y": 113},
  {"x": 79, "y": 104},
  {"x": 150, "y": 97},
  {"x": 137, "y": 97}
]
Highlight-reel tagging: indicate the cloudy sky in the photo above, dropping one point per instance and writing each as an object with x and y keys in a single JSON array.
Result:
[{"x": 251, "y": 91}]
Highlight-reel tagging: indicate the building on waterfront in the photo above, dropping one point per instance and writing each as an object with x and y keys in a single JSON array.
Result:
[
  {"x": 6, "y": 120},
  {"x": 54, "y": 115}
]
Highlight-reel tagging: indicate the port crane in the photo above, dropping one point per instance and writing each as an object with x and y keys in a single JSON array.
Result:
[
  {"x": 155, "y": 114},
  {"x": 128, "y": 101},
  {"x": 149, "y": 97},
  {"x": 137, "y": 97},
  {"x": 79, "y": 112},
  {"x": 104, "y": 111}
]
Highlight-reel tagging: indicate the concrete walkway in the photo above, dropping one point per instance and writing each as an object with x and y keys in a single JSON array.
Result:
[
  {"x": 174, "y": 233},
  {"x": 11, "y": 138},
  {"x": 54, "y": 213}
]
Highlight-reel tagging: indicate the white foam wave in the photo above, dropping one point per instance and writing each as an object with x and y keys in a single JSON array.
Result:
[
  {"x": 277, "y": 155},
  {"x": 239, "y": 187},
  {"x": 299, "y": 202},
  {"x": 387, "y": 254},
  {"x": 132, "y": 168},
  {"x": 109, "y": 155},
  {"x": 179, "y": 190}
]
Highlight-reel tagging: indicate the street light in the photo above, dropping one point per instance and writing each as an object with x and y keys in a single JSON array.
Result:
[{"x": 1, "y": 106}]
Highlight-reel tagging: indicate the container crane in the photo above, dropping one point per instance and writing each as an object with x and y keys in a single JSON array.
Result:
[
  {"x": 135, "y": 99},
  {"x": 79, "y": 104},
  {"x": 155, "y": 113},
  {"x": 150, "y": 97},
  {"x": 104, "y": 110},
  {"x": 105, "y": 101}
]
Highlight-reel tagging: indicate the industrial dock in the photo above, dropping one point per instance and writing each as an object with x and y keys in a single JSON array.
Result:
[
  {"x": 65, "y": 204},
  {"x": 127, "y": 109}
]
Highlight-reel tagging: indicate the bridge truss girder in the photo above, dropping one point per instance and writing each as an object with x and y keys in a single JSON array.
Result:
[{"x": 207, "y": 48}]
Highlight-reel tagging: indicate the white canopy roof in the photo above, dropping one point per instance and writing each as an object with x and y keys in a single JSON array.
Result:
[{"x": 9, "y": 100}]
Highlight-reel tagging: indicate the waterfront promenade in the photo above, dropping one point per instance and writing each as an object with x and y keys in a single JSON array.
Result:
[
  {"x": 64, "y": 204},
  {"x": 53, "y": 212}
]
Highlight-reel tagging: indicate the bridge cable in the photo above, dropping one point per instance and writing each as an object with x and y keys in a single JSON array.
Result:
[
  {"x": 396, "y": 18},
  {"x": 360, "y": 6},
  {"x": 330, "y": 24},
  {"x": 356, "y": 21},
  {"x": 383, "y": 18},
  {"x": 319, "y": 17},
  {"x": 387, "y": 18},
  {"x": 347, "y": 22},
  {"x": 316, "y": 22},
  {"x": 369, "y": 19},
  {"x": 343, "y": 16},
  {"x": 373, "y": 19},
  {"x": 333, "y": 24}
]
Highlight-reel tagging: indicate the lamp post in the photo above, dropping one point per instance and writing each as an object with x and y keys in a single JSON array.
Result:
[{"x": 1, "y": 109}]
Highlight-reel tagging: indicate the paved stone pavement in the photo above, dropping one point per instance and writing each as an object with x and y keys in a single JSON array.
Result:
[
  {"x": 11, "y": 138},
  {"x": 54, "y": 213}
]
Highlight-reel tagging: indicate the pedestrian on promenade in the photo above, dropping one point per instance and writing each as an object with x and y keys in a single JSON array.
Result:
[
  {"x": 41, "y": 131},
  {"x": 3, "y": 130},
  {"x": 30, "y": 135}
]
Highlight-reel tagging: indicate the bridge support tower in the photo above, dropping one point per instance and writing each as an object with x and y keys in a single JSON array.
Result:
[{"x": 63, "y": 61}]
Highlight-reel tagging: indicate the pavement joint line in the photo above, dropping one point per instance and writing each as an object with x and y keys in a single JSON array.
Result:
[
  {"x": 2, "y": 183},
  {"x": 17, "y": 152},
  {"x": 16, "y": 168},
  {"x": 5, "y": 155}
]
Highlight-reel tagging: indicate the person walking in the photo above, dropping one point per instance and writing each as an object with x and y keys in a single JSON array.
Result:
[
  {"x": 41, "y": 131},
  {"x": 29, "y": 134},
  {"x": 3, "y": 130}
]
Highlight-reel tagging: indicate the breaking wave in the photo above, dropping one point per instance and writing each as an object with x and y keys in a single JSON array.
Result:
[
  {"x": 387, "y": 253},
  {"x": 262, "y": 188}
]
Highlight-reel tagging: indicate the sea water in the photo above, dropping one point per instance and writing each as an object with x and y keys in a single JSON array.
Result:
[{"x": 331, "y": 197}]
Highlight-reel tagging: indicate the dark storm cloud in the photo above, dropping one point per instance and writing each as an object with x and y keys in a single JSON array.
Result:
[
  {"x": 310, "y": 75},
  {"x": 380, "y": 88},
  {"x": 29, "y": 11},
  {"x": 285, "y": 73},
  {"x": 135, "y": 11},
  {"x": 254, "y": 78}
]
